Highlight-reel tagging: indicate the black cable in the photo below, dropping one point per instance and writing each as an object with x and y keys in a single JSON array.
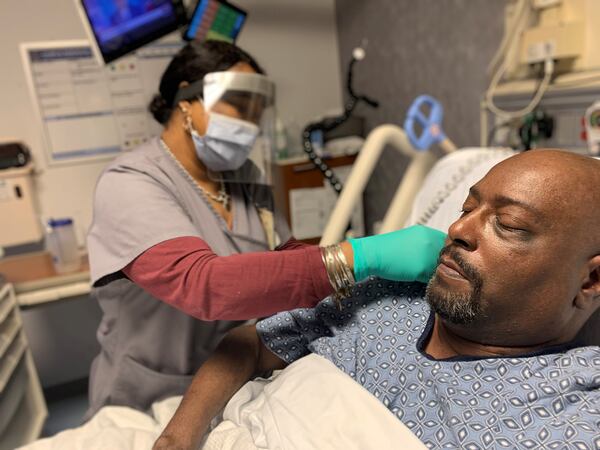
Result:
[
  {"x": 329, "y": 124},
  {"x": 353, "y": 95},
  {"x": 324, "y": 126}
]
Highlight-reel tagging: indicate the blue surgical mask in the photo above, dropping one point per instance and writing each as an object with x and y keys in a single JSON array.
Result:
[{"x": 226, "y": 144}]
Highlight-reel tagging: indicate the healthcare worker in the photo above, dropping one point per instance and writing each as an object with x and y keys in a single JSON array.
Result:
[{"x": 185, "y": 243}]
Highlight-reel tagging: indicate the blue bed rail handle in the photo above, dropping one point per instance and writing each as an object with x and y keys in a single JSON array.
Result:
[{"x": 431, "y": 124}]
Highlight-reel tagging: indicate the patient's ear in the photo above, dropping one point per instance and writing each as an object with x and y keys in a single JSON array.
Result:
[{"x": 589, "y": 294}]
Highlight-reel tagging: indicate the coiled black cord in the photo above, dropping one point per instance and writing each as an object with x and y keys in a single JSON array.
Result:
[{"x": 329, "y": 124}]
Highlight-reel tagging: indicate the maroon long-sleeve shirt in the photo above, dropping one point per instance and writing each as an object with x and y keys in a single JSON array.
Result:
[{"x": 185, "y": 273}]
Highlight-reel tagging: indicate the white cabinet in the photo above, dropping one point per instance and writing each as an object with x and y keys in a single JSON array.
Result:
[
  {"x": 19, "y": 220},
  {"x": 22, "y": 405}
]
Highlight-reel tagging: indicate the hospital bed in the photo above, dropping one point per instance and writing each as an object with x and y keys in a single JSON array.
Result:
[{"x": 338, "y": 413}]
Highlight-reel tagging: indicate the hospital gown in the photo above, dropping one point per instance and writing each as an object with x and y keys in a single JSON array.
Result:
[{"x": 545, "y": 400}]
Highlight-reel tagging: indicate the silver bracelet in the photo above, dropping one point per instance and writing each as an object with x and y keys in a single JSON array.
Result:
[{"x": 339, "y": 273}]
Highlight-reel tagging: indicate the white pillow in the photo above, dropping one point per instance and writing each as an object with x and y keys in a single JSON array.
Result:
[{"x": 446, "y": 186}]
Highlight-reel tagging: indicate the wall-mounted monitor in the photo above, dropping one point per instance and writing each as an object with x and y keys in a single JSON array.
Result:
[
  {"x": 117, "y": 27},
  {"x": 215, "y": 19}
]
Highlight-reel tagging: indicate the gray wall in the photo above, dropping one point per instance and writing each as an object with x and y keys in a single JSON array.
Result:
[{"x": 438, "y": 47}]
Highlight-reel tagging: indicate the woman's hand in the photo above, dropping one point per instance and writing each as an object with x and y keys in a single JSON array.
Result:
[{"x": 409, "y": 254}]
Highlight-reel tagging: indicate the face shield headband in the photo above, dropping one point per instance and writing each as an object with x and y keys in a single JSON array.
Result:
[{"x": 240, "y": 95}]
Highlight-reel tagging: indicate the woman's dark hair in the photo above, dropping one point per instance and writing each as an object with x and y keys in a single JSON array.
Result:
[{"x": 190, "y": 64}]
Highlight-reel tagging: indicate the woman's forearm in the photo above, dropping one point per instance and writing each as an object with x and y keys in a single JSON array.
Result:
[{"x": 186, "y": 273}]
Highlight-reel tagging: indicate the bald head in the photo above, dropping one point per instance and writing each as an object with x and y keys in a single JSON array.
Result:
[
  {"x": 570, "y": 168},
  {"x": 528, "y": 244},
  {"x": 569, "y": 183}
]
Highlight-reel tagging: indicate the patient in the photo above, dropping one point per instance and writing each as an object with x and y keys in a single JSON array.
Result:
[{"x": 486, "y": 355}]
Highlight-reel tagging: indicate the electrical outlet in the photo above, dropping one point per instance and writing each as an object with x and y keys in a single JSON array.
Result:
[{"x": 540, "y": 51}]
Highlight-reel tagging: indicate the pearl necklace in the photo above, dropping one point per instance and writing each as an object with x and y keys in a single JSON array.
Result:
[{"x": 222, "y": 197}]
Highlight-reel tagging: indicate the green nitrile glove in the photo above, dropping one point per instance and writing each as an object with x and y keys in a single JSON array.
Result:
[{"x": 409, "y": 254}]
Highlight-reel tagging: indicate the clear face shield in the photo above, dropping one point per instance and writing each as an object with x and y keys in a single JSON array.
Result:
[{"x": 238, "y": 146}]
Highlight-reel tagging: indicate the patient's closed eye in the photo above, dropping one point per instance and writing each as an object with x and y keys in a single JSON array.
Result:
[
  {"x": 509, "y": 226},
  {"x": 469, "y": 205},
  {"x": 465, "y": 210}
]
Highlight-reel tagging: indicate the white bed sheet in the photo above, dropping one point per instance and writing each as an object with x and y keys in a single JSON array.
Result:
[{"x": 309, "y": 405}]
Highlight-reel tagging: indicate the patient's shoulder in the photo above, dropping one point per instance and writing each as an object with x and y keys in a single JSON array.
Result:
[
  {"x": 376, "y": 294},
  {"x": 373, "y": 286},
  {"x": 374, "y": 301}
]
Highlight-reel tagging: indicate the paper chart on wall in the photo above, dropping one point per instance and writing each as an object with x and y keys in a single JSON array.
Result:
[{"x": 87, "y": 111}]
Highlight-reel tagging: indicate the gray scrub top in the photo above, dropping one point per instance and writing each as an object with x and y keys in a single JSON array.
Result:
[{"x": 149, "y": 349}]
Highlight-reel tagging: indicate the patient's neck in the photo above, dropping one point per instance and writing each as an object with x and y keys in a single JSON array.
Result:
[{"x": 446, "y": 343}]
